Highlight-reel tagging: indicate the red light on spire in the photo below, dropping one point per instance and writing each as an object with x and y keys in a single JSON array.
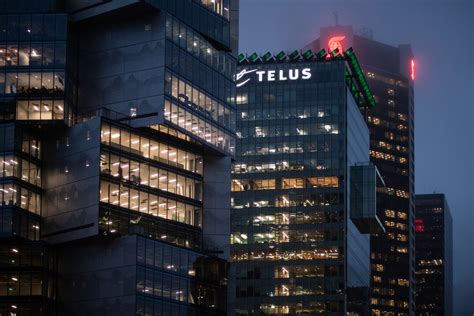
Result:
[{"x": 412, "y": 69}]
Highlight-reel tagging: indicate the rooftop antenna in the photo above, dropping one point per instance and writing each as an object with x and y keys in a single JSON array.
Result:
[{"x": 336, "y": 17}]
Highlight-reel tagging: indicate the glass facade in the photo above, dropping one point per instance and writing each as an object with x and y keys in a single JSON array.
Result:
[
  {"x": 199, "y": 87},
  {"x": 392, "y": 148},
  {"x": 26, "y": 274},
  {"x": 175, "y": 281},
  {"x": 151, "y": 176},
  {"x": 32, "y": 66},
  {"x": 21, "y": 186},
  {"x": 147, "y": 162},
  {"x": 391, "y": 124},
  {"x": 290, "y": 219},
  {"x": 434, "y": 255}
]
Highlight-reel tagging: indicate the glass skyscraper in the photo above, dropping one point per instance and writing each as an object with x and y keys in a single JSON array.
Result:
[
  {"x": 117, "y": 131},
  {"x": 390, "y": 72},
  {"x": 434, "y": 255},
  {"x": 303, "y": 192}
]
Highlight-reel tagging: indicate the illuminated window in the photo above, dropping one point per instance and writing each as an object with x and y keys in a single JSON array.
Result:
[
  {"x": 323, "y": 182},
  {"x": 290, "y": 183},
  {"x": 403, "y": 282},
  {"x": 402, "y": 226},
  {"x": 401, "y": 237},
  {"x": 402, "y": 215},
  {"x": 402, "y": 117},
  {"x": 379, "y": 267},
  {"x": 238, "y": 238},
  {"x": 391, "y": 92},
  {"x": 402, "y": 249},
  {"x": 402, "y": 127}
]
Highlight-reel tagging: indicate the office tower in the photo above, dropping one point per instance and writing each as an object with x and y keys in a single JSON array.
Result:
[
  {"x": 303, "y": 190},
  {"x": 117, "y": 131},
  {"x": 390, "y": 72},
  {"x": 434, "y": 255}
]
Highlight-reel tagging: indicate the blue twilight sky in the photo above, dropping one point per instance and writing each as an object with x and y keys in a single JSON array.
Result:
[{"x": 441, "y": 34}]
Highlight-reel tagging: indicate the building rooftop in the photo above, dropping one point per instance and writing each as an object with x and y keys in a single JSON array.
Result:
[{"x": 355, "y": 77}]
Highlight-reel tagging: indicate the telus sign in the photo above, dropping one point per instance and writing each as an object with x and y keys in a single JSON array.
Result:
[{"x": 242, "y": 78}]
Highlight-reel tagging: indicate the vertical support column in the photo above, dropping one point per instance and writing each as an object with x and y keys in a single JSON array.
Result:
[{"x": 216, "y": 198}]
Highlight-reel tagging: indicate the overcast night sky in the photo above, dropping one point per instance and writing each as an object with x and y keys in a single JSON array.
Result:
[{"x": 441, "y": 34}]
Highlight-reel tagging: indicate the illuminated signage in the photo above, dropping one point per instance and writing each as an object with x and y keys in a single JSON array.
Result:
[
  {"x": 412, "y": 73},
  {"x": 241, "y": 78},
  {"x": 241, "y": 74},
  {"x": 419, "y": 226},
  {"x": 335, "y": 42}
]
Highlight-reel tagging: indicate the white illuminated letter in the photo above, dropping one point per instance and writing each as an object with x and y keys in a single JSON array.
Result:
[
  {"x": 294, "y": 74},
  {"x": 271, "y": 75},
  {"x": 260, "y": 75},
  {"x": 281, "y": 76},
  {"x": 306, "y": 73}
]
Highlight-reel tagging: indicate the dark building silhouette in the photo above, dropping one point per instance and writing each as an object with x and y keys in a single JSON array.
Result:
[
  {"x": 303, "y": 200},
  {"x": 117, "y": 129},
  {"x": 390, "y": 72},
  {"x": 434, "y": 255}
]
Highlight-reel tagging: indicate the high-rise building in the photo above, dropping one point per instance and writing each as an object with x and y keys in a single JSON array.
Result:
[
  {"x": 117, "y": 131},
  {"x": 434, "y": 255},
  {"x": 303, "y": 199},
  {"x": 390, "y": 72}
]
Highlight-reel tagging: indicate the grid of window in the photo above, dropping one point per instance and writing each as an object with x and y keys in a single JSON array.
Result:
[
  {"x": 142, "y": 173},
  {"x": 139, "y": 200},
  {"x": 30, "y": 144},
  {"x": 283, "y": 183},
  {"x": 199, "y": 101},
  {"x": 306, "y": 216},
  {"x": 13, "y": 166},
  {"x": 41, "y": 109},
  {"x": 276, "y": 236},
  {"x": 176, "y": 114},
  {"x": 293, "y": 199},
  {"x": 323, "y": 253},
  {"x": 180, "y": 275},
  {"x": 288, "y": 193},
  {"x": 20, "y": 284},
  {"x": 127, "y": 141},
  {"x": 20, "y": 224},
  {"x": 15, "y": 195},
  {"x": 114, "y": 221},
  {"x": 203, "y": 76},
  {"x": 199, "y": 47},
  {"x": 32, "y": 63}
]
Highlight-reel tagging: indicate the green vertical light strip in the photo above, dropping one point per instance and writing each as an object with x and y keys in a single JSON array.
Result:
[{"x": 359, "y": 76}]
